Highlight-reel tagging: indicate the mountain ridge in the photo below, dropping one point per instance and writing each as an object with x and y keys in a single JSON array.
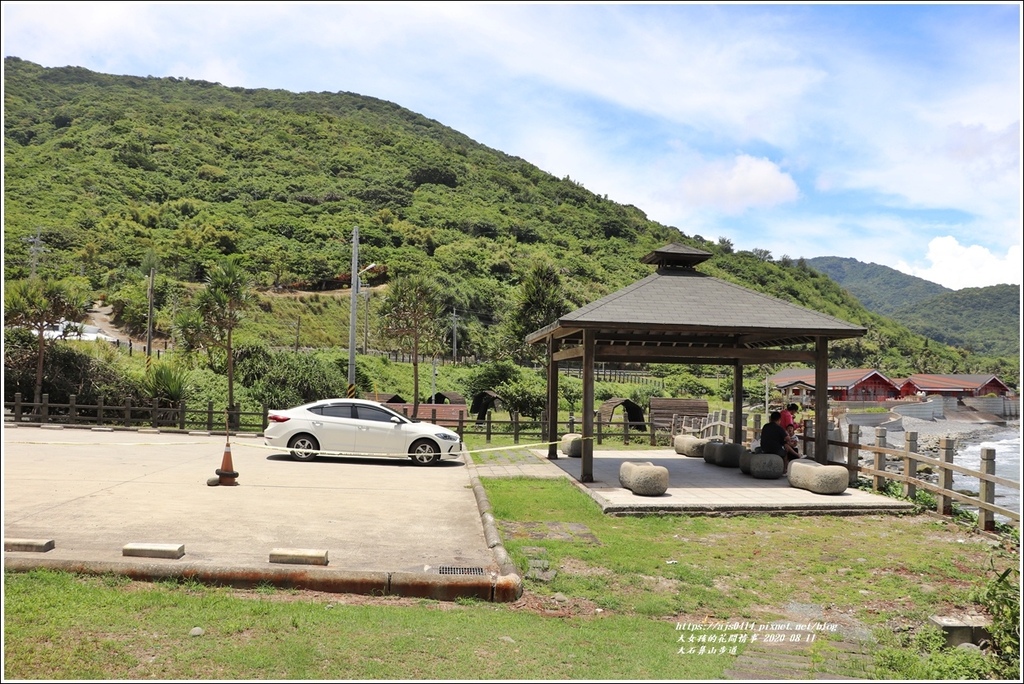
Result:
[{"x": 112, "y": 173}]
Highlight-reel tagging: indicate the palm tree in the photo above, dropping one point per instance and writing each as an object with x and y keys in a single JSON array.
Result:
[
  {"x": 410, "y": 315},
  {"x": 227, "y": 295},
  {"x": 39, "y": 304}
]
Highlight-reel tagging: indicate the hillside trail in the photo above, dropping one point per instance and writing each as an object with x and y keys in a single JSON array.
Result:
[{"x": 99, "y": 315}]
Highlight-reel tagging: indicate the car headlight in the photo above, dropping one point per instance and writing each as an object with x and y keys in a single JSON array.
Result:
[{"x": 447, "y": 436}]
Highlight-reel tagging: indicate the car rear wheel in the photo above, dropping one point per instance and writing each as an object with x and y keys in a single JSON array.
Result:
[
  {"x": 299, "y": 445},
  {"x": 424, "y": 452}
]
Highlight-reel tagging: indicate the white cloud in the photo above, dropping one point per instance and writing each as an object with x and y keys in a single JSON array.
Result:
[
  {"x": 958, "y": 266},
  {"x": 746, "y": 183}
]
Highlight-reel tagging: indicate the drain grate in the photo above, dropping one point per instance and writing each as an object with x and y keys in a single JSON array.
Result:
[{"x": 451, "y": 570}]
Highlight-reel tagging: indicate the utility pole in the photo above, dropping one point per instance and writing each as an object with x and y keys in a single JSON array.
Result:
[
  {"x": 354, "y": 287},
  {"x": 455, "y": 337},
  {"x": 149, "y": 321},
  {"x": 366, "y": 321},
  {"x": 36, "y": 249}
]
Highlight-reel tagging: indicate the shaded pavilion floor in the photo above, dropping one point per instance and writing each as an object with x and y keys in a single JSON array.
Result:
[{"x": 695, "y": 487}]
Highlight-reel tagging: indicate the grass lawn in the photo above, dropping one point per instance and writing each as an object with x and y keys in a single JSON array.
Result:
[{"x": 620, "y": 589}]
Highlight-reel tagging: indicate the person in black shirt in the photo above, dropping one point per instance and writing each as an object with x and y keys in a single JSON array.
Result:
[{"x": 773, "y": 436}]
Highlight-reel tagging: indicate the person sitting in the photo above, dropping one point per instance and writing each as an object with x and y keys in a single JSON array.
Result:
[
  {"x": 788, "y": 416},
  {"x": 776, "y": 440},
  {"x": 792, "y": 445}
]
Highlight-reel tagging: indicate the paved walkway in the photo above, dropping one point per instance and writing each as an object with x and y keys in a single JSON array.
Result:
[{"x": 695, "y": 487}]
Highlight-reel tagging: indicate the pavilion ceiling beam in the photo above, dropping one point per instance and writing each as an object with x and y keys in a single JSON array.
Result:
[
  {"x": 706, "y": 355},
  {"x": 568, "y": 353}
]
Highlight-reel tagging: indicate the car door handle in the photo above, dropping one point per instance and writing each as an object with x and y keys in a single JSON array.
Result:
[
  {"x": 317, "y": 423},
  {"x": 363, "y": 427}
]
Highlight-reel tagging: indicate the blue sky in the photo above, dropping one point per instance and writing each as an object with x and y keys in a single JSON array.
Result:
[{"x": 886, "y": 133}]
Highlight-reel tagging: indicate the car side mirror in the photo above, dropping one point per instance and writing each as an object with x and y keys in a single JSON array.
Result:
[{"x": 396, "y": 420}]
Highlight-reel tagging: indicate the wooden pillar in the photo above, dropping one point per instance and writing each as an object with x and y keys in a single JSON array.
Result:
[
  {"x": 987, "y": 490},
  {"x": 878, "y": 481},
  {"x": 587, "y": 460},
  {"x": 910, "y": 464},
  {"x": 737, "y": 403},
  {"x": 552, "y": 432},
  {"x": 943, "y": 503},
  {"x": 821, "y": 400}
]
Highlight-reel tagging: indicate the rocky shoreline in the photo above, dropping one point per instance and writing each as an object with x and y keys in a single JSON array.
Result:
[{"x": 929, "y": 432}]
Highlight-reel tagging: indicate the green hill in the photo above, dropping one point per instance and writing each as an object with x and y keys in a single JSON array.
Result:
[
  {"x": 108, "y": 175},
  {"x": 985, "y": 320},
  {"x": 880, "y": 289}
]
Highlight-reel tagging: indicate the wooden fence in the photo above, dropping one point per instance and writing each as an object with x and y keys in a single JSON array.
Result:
[{"x": 715, "y": 425}]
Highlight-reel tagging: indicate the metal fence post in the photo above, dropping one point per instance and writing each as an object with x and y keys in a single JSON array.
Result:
[{"x": 71, "y": 409}]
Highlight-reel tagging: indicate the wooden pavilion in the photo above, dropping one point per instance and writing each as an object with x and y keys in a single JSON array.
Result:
[{"x": 679, "y": 315}]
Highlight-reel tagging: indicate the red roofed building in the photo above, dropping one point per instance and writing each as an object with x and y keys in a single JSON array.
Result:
[
  {"x": 954, "y": 385},
  {"x": 844, "y": 384}
]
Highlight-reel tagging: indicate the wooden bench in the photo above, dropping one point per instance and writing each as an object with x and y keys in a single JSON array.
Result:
[
  {"x": 662, "y": 410},
  {"x": 448, "y": 415}
]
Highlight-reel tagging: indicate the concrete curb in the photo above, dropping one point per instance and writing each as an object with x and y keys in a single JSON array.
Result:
[
  {"x": 409, "y": 584},
  {"x": 491, "y": 534}
]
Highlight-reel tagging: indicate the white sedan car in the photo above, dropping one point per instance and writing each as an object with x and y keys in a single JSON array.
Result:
[{"x": 357, "y": 427}]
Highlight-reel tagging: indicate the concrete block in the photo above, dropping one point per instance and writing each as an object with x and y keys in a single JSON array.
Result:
[
  {"x": 766, "y": 466},
  {"x": 33, "y": 545},
  {"x": 808, "y": 474},
  {"x": 955, "y": 631},
  {"x": 299, "y": 556},
  {"x": 572, "y": 444},
  {"x": 644, "y": 478},
  {"x": 48, "y": 426},
  {"x": 151, "y": 550}
]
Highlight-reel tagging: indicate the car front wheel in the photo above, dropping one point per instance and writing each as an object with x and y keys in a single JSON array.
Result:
[
  {"x": 304, "y": 447},
  {"x": 424, "y": 452}
]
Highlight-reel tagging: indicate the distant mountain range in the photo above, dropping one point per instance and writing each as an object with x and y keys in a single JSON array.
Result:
[{"x": 985, "y": 320}]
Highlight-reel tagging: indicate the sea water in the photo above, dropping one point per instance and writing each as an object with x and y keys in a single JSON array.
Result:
[{"x": 1007, "y": 446}]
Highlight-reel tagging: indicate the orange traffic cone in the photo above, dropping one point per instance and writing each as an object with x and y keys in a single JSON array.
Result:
[{"x": 227, "y": 469}]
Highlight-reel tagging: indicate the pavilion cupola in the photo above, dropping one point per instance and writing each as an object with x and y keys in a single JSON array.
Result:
[{"x": 676, "y": 257}]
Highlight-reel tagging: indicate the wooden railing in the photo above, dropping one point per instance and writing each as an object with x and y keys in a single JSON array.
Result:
[
  {"x": 181, "y": 417},
  {"x": 718, "y": 424}
]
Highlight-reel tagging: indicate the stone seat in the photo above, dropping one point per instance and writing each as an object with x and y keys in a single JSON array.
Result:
[
  {"x": 688, "y": 445},
  {"x": 766, "y": 466},
  {"x": 805, "y": 473},
  {"x": 643, "y": 478},
  {"x": 572, "y": 444}
]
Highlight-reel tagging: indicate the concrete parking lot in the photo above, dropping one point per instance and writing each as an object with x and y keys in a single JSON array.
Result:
[{"x": 94, "y": 492}]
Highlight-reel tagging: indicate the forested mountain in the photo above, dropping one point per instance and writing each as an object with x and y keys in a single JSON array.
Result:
[
  {"x": 985, "y": 320},
  {"x": 982, "y": 319},
  {"x": 107, "y": 176},
  {"x": 879, "y": 288}
]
